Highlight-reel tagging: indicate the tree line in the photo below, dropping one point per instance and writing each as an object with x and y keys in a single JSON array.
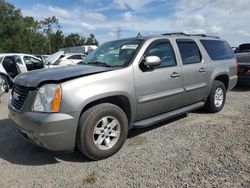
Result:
[{"x": 24, "y": 34}]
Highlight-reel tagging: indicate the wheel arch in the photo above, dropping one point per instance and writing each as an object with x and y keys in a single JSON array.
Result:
[
  {"x": 224, "y": 78},
  {"x": 120, "y": 100}
]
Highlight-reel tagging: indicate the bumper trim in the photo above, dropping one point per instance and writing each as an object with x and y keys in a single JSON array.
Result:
[{"x": 55, "y": 131}]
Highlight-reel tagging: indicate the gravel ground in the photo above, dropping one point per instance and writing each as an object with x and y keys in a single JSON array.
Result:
[{"x": 198, "y": 150}]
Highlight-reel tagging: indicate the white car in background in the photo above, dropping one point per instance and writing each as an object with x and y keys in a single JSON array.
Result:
[
  {"x": 13, "y": 64},
  {"x": 2, "y": 86},
  {"x": 60, "y": 59}
]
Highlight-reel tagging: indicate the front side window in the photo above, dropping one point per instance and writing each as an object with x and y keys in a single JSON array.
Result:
[
  {"x": 27, "y": 60},
  {"x": 32, "y": 63},
  {"x": 189, "y": 51},
  {"x": 218, "y": 50},
  {"x": 114, "y": 54},
  {"x": 164, "y": 51}
]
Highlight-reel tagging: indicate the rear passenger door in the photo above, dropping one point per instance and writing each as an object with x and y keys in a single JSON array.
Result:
[
  {"x": 195, "y": 75},
  {"x": 158, "y": 89}
]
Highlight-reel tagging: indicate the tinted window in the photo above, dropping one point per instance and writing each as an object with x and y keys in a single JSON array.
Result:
[
  {"x": 218, "y": 50},
  {"x": 190, "y": 52},
  {"x": 164, "y": 51}
]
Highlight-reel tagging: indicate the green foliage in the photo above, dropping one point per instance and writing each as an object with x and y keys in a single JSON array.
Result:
[
  {"x": 27, "y": 35},
  {"x": 74, "y": 39}
]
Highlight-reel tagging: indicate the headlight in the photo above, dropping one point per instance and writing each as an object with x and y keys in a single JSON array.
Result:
[{"x": 48, "y": 98}]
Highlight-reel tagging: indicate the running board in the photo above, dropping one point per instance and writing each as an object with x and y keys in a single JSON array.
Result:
[{"x": 163, "y": 117}]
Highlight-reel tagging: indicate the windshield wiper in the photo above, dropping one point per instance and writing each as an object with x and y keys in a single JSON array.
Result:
[{"x": 98, "y": 63}]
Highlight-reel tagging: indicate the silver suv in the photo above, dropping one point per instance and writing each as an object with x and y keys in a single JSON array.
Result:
[{"x": 134, "y": 82}]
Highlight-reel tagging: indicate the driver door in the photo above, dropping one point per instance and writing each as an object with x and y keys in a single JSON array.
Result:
[{"x": 158, "y": 89}]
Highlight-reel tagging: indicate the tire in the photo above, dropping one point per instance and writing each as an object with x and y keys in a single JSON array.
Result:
[
  {"x": 217, "y": 97},
  {"x": 109, "y": 137}
]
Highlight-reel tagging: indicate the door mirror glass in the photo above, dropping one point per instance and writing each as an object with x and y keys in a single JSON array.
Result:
[{"x": 151, "y": 61}]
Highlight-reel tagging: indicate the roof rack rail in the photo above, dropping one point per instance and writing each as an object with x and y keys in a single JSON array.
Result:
[
  {"x": 176, "y": 33},
  {"x": 204, "y": 35},
  {"x": 198, "y": 35}
]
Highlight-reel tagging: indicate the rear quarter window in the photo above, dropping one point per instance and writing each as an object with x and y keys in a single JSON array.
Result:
[{"x": 218, "y": 50}]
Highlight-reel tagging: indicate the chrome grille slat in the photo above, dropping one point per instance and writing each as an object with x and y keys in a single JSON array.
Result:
[{"x": 22, "y": 93}]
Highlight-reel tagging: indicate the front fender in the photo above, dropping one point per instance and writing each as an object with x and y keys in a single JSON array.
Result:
[{"x": 80, "y": 92}]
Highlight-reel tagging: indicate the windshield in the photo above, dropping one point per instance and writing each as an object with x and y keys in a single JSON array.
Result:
[{"x": 114, "y": 54}]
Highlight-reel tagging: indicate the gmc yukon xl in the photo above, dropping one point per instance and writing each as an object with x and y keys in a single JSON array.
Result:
[{"x": 134, "y": 82}]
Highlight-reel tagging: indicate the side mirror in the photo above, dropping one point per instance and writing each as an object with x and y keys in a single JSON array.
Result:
[{"x": 151, "y": 61}]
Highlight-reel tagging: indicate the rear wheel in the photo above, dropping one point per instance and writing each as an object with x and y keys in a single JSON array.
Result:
[
  {"x": 102, "y": 131},
  {"x": 216, "y": 100}
]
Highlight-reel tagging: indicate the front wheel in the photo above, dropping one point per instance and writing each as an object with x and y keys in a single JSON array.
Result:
[
  {"x": 102, "y": 131},
  {"x": 216, "y": 99}
]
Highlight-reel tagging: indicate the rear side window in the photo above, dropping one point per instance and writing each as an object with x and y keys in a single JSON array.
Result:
[
  {"x": 190, "y": 52},
  {"x": 218, "y": 50}
]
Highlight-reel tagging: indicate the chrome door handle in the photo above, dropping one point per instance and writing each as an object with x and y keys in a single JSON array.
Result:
[
  {"x": 175, "y": 75},
  {"x": 202, "y": 70}
]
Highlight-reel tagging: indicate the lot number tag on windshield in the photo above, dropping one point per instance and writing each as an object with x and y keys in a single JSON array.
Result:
[{"x": 129, "y": 47}]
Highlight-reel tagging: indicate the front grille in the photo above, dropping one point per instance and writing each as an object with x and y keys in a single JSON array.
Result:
[{"x": 19, "y": 95}]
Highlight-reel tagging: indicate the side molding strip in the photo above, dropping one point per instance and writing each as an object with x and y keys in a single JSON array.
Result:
[
  {"x": 160, "y": 95},
  {"x": 195, "y": 87}
]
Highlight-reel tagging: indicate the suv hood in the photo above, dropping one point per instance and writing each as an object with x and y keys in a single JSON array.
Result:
[{"x": 57, "y": 75}]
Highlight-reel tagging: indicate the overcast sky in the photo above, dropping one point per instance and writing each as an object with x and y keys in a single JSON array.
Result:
[{"x": 228, "y": 19}]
